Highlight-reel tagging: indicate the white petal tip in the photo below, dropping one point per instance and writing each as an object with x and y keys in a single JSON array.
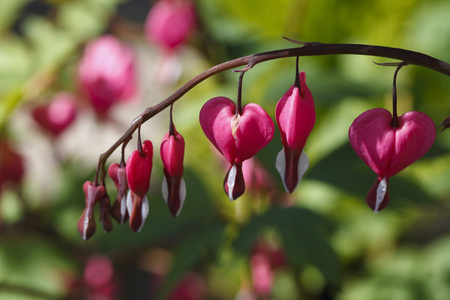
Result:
[
  {"x": 231, "y": 181},
  {"x": 381, "y": 193}
]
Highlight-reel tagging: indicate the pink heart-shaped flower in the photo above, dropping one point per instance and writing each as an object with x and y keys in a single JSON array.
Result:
[
  {"x": 386, "y": 149},
  {"x": 237, "y": 136}
]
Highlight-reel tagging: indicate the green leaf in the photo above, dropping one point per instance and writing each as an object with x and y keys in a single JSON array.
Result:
[{"x": 189, "y": 253}]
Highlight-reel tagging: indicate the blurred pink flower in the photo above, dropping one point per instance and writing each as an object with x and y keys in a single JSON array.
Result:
[
  {"x": 58, "y": 115},
  {"x": 169, "y": 23},
  {"x": 190, "y": 287},
  {"x": 106, "y": 73},
  {"x": 264, "y": 260}
]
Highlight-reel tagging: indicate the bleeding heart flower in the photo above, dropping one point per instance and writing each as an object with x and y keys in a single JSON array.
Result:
[
  {"x": 173, "y": 187},
  {"x": 139, "y": 169},
  {"x": 119, "y": 175},
  {"x": 386, "y": 149},
  {"x": 107, "y": 73},
  {"x": 237, "y": 136},
  {"x": 169, "y": 23},
  {"x": 58, "y": 115},
  {"x": 296, "y": 116},
  {"x": 94, "y": 194}
]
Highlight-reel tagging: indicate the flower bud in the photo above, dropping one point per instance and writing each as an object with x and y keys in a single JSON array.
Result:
[
  {"x": 139, "y": 169},
  {"x": 93, "y": 194},
  {"x": 296, "y": 116},
  {"x": 119, "y": 175},
  {"x": 173, "y": 187}
]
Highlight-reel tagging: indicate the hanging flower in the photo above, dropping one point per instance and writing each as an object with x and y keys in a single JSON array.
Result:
[
  {"x": 93, "y": 193},
  {"x": 388, "y": 149},
  {"x": 296, "y": 116},
  {"x": 119, "y": 176},
  {"x": 237, "y": 136},
  {"x": 139, "y": 169},
  {"x": 172, "y": 155}
]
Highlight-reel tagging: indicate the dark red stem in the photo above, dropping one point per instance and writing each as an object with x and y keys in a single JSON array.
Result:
[{"x": 309, "y": 49}]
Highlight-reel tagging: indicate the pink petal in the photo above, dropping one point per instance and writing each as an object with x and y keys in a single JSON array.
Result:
[
  {"x": 295, "y": 115},
  {"x": 373, "y": 139},
  {"x": 413, "y": 138},
  {"x": 139, "y": 169}
]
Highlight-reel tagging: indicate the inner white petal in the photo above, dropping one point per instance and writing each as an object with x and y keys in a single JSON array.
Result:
[
  {"x": 129, "y": 203},
  {"x": 123, "y": 209},
  {"x": 381, "y": 193},
  {"x": 144, "y": 211},
  {"x": 165, "y": 190},
  {"x": 303, "y": 165},
  {"x": 231, "y": 181},
  {"x": 182, "y": 194},
  {"x": 280, "y": 165}
]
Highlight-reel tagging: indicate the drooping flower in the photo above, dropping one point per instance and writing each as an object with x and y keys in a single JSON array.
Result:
[
  {"x": 387, "y": 149},
  {"x": 296, "y": 116},
  {"x": 58, "y": 115},
  {"x": 119, "y": 175},
  {"x": 93, "y": 193},
  {"x": 237, "y": 136},
  {"x": 172, "y": 155},
  {"x": 170, "y": 22},
  {"x": 139, "y": 169},
  {"x": 107, "y": 73}
]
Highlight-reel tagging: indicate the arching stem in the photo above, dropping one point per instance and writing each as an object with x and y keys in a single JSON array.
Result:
[{"x": 309, "y": 49}]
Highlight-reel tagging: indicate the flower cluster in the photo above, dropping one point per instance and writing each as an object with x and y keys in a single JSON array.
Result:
[
  {"x": 386, "y": 143},
  {"x": 132, "y": 180},
  {"x": 239, "y": 134}
]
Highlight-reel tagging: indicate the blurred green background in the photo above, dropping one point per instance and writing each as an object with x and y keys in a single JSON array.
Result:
[{"x": 335, "y": 246}]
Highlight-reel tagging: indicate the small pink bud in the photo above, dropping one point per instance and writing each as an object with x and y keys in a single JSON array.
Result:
[
  {"x": 107, "y": 73},
  {"x": 169, "y": 23},
  {"x": 58, "y": 115},
  {"x": 296, "y": 116},
  {"x": 386, "y": 149},
  {"x": 119, "y": 175},
  {"x": 93, "y": 194},
  {"x": 139, "y": 169},
  {"x": 173, "y": 187},
  {"x": 237, "y": 137}
]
